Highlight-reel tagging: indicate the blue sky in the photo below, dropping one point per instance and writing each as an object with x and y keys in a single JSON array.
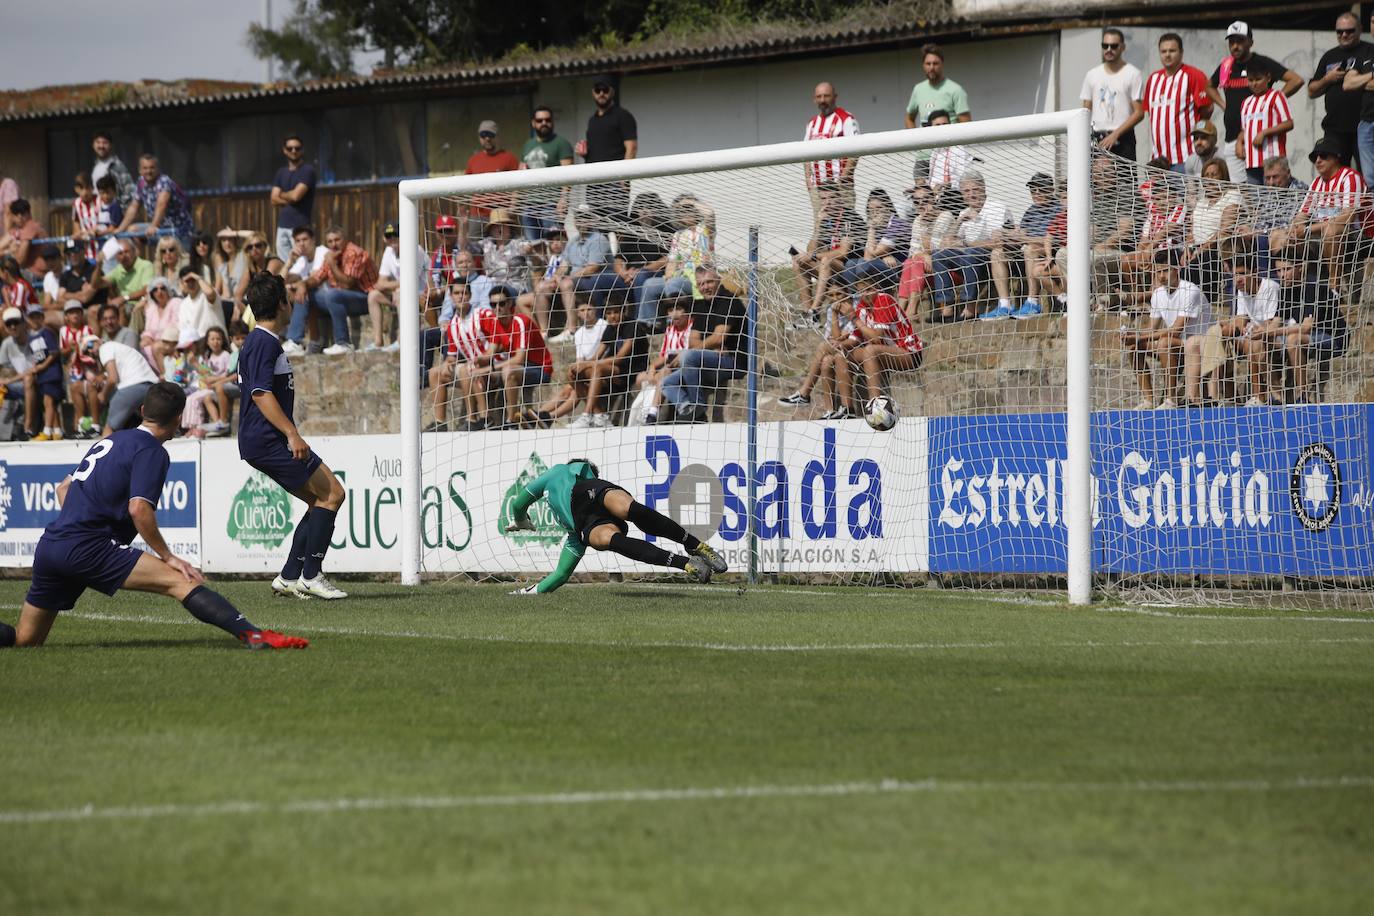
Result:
[{"x": 55, "y": 42}]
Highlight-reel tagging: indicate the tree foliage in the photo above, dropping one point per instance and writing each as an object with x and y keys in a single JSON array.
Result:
[{"x": 320, "y": 37}]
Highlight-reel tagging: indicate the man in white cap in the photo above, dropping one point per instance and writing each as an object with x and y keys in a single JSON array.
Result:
[
  {"x": 16, "y": 367},
  {"x": 1230, "y": 87},
  {"x": 489, "y": 157}
]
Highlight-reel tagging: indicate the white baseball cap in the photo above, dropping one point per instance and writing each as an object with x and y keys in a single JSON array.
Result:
[
  {"x": 1239, "y": 29},
  {"x": 12, "y": 314}
]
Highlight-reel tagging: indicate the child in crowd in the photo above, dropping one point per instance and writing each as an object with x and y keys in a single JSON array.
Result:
[
  {"x": 45, "y": 353},
  {"x": 678, "y": 336},
  {"x": 83, "y": 373},
  {"x": 86, "y": 214},
  {"x": 839, "y": 342},
  {"x": 226, "y": 386},
  {"x": 111, "y": 214},
  {"x": 212, "y": 367},
  {"x": 1265, "y": 120},
  {"x": 586, "y": 341}
]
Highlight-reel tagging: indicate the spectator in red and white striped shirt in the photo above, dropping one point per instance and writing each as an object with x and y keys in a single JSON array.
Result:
[
  {"x": 1337, "y": 201},
  {"x": 1176, "y": 98},
  {"x": 469, "y": 352},
  {"x": 1265, "y": 121},
  {"x": 832, "y": 121},
  {"x": 86, "y": 214}
]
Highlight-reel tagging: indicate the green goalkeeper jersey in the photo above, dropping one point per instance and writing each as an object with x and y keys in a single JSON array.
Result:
[{"x": 556, "y": 485}]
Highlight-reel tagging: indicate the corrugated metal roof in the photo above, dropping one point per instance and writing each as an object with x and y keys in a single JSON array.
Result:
[
  {"x": 563, "y": 65},
  {"x": 567, "y": 63}
]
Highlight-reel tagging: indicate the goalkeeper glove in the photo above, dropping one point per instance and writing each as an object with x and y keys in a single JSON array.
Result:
[{"x": 527, "y": 590}]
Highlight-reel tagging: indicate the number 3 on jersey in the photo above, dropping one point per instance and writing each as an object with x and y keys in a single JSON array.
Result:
[{"x": 98, "y": 451}]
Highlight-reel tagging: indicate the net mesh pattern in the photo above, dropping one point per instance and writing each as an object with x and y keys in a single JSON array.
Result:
[{"x": 935, "y": 281}]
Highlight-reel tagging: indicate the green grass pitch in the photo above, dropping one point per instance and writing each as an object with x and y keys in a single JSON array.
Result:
[{"x": 660, "y": 748}]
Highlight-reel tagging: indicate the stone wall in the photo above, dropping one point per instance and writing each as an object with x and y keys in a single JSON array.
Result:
[{"x": 970, "y": 368}]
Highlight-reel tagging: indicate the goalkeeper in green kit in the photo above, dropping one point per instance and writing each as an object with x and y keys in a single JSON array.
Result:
[{"x": 594, "y": 512}]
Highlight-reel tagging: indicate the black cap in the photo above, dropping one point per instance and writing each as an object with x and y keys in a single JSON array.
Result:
[
  {"x": 1325, "y": 145},
  {"x": 1041, "y": 180},
  {"x": 71, "y": 245},
  {"x": 603, "y": 79},
  {"x": 389, "y": 229}
]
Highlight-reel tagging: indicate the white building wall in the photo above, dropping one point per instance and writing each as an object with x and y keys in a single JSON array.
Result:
[{"x": 723, "y": 107}]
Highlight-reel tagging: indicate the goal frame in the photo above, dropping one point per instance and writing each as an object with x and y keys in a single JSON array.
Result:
[{"x": 1073, "y": 125}]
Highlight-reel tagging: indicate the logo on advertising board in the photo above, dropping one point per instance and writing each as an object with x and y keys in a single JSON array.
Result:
[
  {"x": 260, "y": 515},
  {"x": 547, "y": 532},
  {"x": 1314, "y": 488},
  {"x": 6, "y": 495}
]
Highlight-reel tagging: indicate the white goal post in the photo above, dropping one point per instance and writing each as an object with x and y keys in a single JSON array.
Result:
[{"x": 1073, "y": 127}]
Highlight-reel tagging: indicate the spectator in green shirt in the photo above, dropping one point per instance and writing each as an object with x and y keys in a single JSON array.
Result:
[
  {"x": 545, "y": 208},
  {"x": 937, "y": 93},
  {"x": 128, "y": 282}
]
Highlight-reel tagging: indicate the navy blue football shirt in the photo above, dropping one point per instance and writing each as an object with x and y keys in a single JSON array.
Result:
[
  {"x": 263, "y": 367},
  {"x": 129, "y": 464}
]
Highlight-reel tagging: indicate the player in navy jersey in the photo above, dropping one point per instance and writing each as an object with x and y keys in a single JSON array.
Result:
[
  {"x": 109, "y": 499},
  {"x": 269, "y": 441}
]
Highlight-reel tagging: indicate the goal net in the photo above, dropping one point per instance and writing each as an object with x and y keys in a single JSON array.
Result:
[{"x": 713, "y": 334}]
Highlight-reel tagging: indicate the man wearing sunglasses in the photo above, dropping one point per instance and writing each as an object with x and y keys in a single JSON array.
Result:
[
  {"x": 293, "y": 190},
  {"x": 612, "y": 134},
  {"x": 1342, "y": 105},
  {"x": 489, "y": 157},
  {"x": 1360, "y": 80},
  {"x": 1111, "y": 91},
  {"x": 544, "y": 208}
]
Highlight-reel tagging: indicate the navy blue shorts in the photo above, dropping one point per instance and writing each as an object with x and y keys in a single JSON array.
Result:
[
  {"x": 63, "y": 568},
  {"x": 54, "y": 390},
  {"x": 285, "y": 470}
]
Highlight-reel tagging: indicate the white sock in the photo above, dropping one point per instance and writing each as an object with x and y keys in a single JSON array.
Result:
[
  {"x": 1004, "y": 303},
  {"x": 48, "y": 430},
  {"x": 1031, "y": 300}
]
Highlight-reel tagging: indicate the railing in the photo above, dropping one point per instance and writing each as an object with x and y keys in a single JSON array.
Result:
[{"x": 360, "y": 207}]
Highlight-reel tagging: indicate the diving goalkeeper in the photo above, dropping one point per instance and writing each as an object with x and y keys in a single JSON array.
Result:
[{"x": 594, "y": 512}]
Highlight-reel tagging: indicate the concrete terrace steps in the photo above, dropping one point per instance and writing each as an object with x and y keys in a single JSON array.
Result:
[{"x": 971, "y": 367}]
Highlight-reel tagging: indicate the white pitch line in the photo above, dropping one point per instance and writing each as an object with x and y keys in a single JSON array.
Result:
[
  {"x": 649, "y": 796},
  {"x": 745, "y": 647},
  {"x": 1151, "y": 612}
]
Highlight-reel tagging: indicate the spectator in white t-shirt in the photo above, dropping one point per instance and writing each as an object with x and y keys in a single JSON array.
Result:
[
  {"x": 1179, "y": 317},
  {"x": 307, "y": 263},
  {"x": 967, "y": 250},
  {"x": 128, "y": 376},
  {"x": 586, "y": 343},
  {"x": 1251, "y": 331},
  {"x": 384, "y": 293},
  {"x": 948, "y": 163},
  {"x": 1111, "y": 91}
]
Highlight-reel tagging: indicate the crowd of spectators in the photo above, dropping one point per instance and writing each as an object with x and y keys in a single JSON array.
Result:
[{"x": 1220, "y": 265}]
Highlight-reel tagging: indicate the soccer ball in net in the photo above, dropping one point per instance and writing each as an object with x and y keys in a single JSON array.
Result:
[{"x": 880, "y": 414}]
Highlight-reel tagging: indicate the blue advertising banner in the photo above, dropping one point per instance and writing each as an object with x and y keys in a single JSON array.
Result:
[
  {"x": 1275, "y": 491},
  {"x": 29, "y": 475}
]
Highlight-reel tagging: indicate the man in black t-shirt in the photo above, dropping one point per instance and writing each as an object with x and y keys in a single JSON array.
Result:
[
  {"x": 1360, "y": 81},
  {"x": 76, "y": 283},
  {"x": 612, "y": 134},
  {"x": 723, "y": 355},
  {"x": 1342, "y": 105},
  {"x": 1230, "y": 87}
]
